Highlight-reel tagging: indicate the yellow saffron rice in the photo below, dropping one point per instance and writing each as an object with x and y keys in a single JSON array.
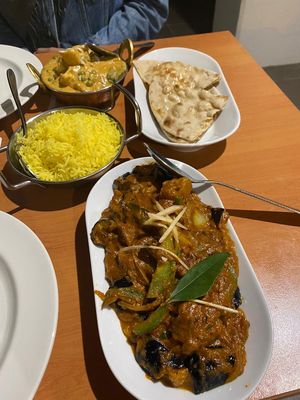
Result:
[{"x": 65, "y": 146}]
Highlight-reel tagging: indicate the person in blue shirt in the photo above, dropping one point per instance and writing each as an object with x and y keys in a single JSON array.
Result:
[{"x": 63, "y": 23}]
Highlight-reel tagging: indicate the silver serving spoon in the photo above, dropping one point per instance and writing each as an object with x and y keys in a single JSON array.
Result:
[
  {"x": 101, "y": 51},
  {"x": 125, "y": 51},
  {"x": 11, "y": 77},
  {"x": 171, "y": 167}
]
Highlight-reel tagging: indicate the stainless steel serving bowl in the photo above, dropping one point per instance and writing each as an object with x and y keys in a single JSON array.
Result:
[
  {"x": 105, "y": 98},
  {"x": 28, "y": 179}
]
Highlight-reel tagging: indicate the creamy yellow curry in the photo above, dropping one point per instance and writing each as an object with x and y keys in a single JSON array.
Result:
[{"x": 79, "y": 69}]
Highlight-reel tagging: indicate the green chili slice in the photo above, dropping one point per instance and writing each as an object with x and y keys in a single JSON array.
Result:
[
  {"x": 154, "y": 319},
  {"x": 163, "y": 280}
]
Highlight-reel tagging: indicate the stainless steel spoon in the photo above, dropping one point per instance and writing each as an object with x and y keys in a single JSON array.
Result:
[
  {"x": 125, "y": 51},
  {"x": 171, "y": 167},
  {"x": 101, "y": 51},
  {"x": 11, "y": 77}
]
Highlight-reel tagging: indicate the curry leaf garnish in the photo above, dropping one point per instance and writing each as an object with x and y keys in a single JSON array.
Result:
[
  {"x": 194, "y": 284},
  {"x": 199, "y": 279}
]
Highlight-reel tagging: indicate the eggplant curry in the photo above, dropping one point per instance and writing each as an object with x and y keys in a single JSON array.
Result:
[{"x": 154, "y": 232}]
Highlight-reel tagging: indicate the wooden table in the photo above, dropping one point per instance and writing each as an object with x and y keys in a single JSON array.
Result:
[{"x": 262, "y": 156}]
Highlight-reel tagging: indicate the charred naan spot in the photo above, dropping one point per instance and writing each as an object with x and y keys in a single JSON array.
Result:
[
  {"x": 159, "y": 111},
  {"x": 168, "y": 122}
]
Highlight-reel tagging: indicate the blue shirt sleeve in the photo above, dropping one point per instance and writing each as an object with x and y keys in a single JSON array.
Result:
[{"x": 137, "y": 20}]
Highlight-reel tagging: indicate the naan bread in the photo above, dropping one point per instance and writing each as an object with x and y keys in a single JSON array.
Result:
[
  {"x": 182, "y": 97},
  {"x": 202, "y": 78},
  {"x": 184, "y": 113}
]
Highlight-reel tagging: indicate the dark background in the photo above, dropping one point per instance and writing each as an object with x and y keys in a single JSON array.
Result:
[{"x": 189, "y": 17}]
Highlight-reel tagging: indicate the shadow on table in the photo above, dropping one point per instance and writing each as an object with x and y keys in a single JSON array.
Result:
[
  {"x": 46, "y": 198},
  {"x": 40, "y": 198},
  {"x": 103, "y": 383}
]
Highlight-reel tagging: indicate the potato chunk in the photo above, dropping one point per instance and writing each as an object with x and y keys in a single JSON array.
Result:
[{"x": 176, "y": 189}]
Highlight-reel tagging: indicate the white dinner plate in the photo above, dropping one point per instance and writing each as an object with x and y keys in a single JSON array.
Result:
[
  {"x": 16, "y": 59},
  {"x": 226, "y": 123},
  {"x": 28, "y": 309},
  {"x": 118, "y": 352}
]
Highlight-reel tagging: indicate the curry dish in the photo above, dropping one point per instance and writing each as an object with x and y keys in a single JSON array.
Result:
[
  {"x": 154, "y": 229},
  {"x": 79, "y": 69}
]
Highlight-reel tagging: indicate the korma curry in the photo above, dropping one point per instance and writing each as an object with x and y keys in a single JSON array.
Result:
[{"x": 79, "y": 69}]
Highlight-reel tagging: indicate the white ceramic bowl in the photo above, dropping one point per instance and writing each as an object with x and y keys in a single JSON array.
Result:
[
  {"x": 118, "y": 352},
  {"x": 223, "y": 127}
]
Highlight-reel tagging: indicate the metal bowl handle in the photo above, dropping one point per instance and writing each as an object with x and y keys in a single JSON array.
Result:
[
  {"x": 12, "y": 186},
  {"x": 126, "y": 52},
  {"x": 138, "y": 114},
  {"x": 6, "y": 183},
  {"x": 37, "y": 76}
]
